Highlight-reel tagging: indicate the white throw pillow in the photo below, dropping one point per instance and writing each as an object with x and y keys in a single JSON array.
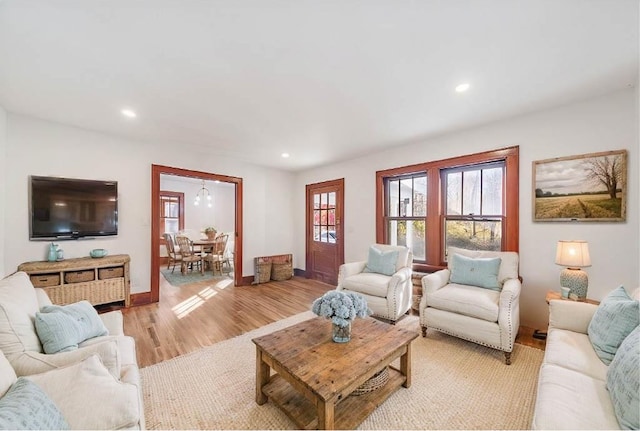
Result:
[
  {"x": 91, "y": 398},
  {"x": 18, "y": 307}
]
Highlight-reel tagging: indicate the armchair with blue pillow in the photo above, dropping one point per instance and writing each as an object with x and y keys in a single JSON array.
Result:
[
  {"x": 384, "y": 280},
  {"x": 475, "y": 298},
  {"x": 81, "y": 361}
]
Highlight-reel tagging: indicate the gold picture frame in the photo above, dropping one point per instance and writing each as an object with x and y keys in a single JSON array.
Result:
[{"x": 589, "y": 187}]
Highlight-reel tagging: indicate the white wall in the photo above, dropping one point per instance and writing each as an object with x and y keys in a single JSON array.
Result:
[
  {"x": 602, "y": 124},
  {"x": 221, "y": 215},
  {"x": 36, "y": 147},
  {"x": 3, "y": 147}
]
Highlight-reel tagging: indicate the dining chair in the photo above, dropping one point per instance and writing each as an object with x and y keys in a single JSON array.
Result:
[
  {"x": 216, "y": 258},
  {"x": 174, "y": 256},
  {"x": 188, "y": 255}
]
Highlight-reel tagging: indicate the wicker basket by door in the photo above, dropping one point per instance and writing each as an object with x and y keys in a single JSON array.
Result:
[
  {"x": 263, "y": 272},
  {"x": 281, "y": 271}
]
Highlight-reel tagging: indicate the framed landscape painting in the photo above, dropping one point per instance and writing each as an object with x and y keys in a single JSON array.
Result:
[{"x": 589, "y": 187}]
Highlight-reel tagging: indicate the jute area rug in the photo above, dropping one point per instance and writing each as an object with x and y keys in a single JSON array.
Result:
[{"x": 455, "y": 385}]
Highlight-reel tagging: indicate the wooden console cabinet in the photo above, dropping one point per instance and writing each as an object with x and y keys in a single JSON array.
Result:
[{"x": 98, "y": 280}]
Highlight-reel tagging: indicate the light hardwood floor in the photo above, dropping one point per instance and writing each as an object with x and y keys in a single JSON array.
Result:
[{"x": 193, "y": 316}]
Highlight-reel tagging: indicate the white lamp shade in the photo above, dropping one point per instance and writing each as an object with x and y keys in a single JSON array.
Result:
[{"x": 573, "y": 254}]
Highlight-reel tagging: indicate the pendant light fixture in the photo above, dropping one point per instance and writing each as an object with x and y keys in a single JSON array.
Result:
[{"x": 202, "y": 195}]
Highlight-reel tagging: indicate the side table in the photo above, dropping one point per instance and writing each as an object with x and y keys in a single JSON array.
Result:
[{"x": 552, "y": 294}]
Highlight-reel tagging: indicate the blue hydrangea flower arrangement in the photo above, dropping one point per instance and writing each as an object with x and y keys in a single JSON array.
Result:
[{"x": 341, "y": 307}]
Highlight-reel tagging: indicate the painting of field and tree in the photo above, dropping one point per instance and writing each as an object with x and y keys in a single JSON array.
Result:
[{"x": 590, "y": 187}]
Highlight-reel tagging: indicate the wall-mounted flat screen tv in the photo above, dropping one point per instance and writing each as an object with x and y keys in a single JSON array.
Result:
[{"x": 65, "y": 208}]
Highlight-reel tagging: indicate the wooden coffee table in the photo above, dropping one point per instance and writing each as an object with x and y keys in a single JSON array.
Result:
[{"x": 315, "y": 376}]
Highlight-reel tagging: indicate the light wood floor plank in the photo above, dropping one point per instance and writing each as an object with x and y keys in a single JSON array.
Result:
[{"x": 193, "y": 316}]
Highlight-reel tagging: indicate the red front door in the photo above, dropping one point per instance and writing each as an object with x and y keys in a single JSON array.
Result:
[{"x": 324, "y": 242}]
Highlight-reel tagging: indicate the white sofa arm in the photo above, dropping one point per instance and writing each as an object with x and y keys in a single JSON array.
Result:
[
  {"x": 399, "y": 278},
  {"x": 509, "y": 294},
  {"x": 570, "y": 315},
  {"x": 435, "y": 281},
  {"x": 349, "y": 269},
  {"x": 114, "y": 322}
]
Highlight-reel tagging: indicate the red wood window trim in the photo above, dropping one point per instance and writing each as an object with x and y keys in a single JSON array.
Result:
[{"x": 434, "y": 225}]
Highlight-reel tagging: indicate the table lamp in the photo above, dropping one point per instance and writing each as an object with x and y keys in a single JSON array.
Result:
[{"x": 574, "y": 255}]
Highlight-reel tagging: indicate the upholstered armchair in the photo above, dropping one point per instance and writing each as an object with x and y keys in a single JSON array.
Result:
[
  {"x": 384, "y": 280},
  {"x": 476, "y": 298}
]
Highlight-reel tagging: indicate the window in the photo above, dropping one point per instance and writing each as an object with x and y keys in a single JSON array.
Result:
[
  {"x": 406, "y": 211},
  {"x": 469, "y": 201},
  {"x": 171, "y": 212},
  {"x": 473, "y": 206},
  {"x": 324, "y": 217}
]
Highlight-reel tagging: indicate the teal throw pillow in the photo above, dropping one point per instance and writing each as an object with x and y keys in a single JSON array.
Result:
[
  {"x": 623, "y": 381},
  {"x": 616, "y": 316},
  {"x": 481, "y": 272},
  {"x": 381, "y": 262},
  {"x": 26, "y": 406},
  {"x": 61, "y": 327}
]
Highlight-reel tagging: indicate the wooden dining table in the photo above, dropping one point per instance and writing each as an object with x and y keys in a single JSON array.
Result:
[{"x": 205, "y": 244}]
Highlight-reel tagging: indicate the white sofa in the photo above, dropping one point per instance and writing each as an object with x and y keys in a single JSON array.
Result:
[
  {"x": 572, "y": 383},
  {"x": 102, "y": 375}
]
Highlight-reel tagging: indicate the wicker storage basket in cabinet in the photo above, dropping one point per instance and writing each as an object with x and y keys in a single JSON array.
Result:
[
  {"x": 79, "y": 276},
  {"x": 45, "y": 280},
  {"x": 99, "y": 281}
]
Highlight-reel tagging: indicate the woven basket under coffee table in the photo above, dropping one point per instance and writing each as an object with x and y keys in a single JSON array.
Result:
[{"x": 378, "y": 380}]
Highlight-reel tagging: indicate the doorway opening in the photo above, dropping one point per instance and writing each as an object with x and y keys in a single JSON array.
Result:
[{"x": 157, "y": 171}]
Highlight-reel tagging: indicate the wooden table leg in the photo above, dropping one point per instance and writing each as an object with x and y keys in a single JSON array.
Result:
[
  {"x": 263, "y": 372},
  {"x": 405, "y": 366},
  {"x": 326, "y": 415}
]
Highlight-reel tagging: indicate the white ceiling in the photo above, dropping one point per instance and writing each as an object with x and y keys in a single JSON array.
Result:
[{"x": 323, "y": 80}]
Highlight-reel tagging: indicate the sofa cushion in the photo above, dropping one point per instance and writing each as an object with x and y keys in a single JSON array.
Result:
[
  {"x": 18, "y": 307},
  {"x": 623, "y": 381},
  {"x": 568, "y": 399},
  {"x": 381, "y": 262},
  {"x": 89, "y": 397},
  {"x": 26, "y": 407},
  {"x": 616, "y": 316},
  {"x": 368, "y": 283},
  {"x": 61, "y": 327},
  {"x": 468, "y": 300},
  {"x": 481, "y": 272},
  {"x": 7, "y": 375},
  {"x": 574, "y": 351},
  {"x": 508, "y": 266}
]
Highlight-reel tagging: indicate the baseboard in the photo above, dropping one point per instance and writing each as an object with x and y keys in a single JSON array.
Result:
[
  {"x": 299, "y": 272},
  {"x": 247, "y": 281},
  {"x": 136, "y": 299}
]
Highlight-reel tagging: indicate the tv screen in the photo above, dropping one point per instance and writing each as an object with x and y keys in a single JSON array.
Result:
[{"x": 64, "y": 208}]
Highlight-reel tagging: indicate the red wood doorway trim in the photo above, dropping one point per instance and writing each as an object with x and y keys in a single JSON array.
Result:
[{"x": 156, "y": 171}]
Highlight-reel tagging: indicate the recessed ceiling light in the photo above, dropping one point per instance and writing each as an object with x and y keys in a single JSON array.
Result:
[
  {"x": 129, "y": 113},
  {"x": 285, "y": 155},
  {"x": 462, "y": 87}
]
